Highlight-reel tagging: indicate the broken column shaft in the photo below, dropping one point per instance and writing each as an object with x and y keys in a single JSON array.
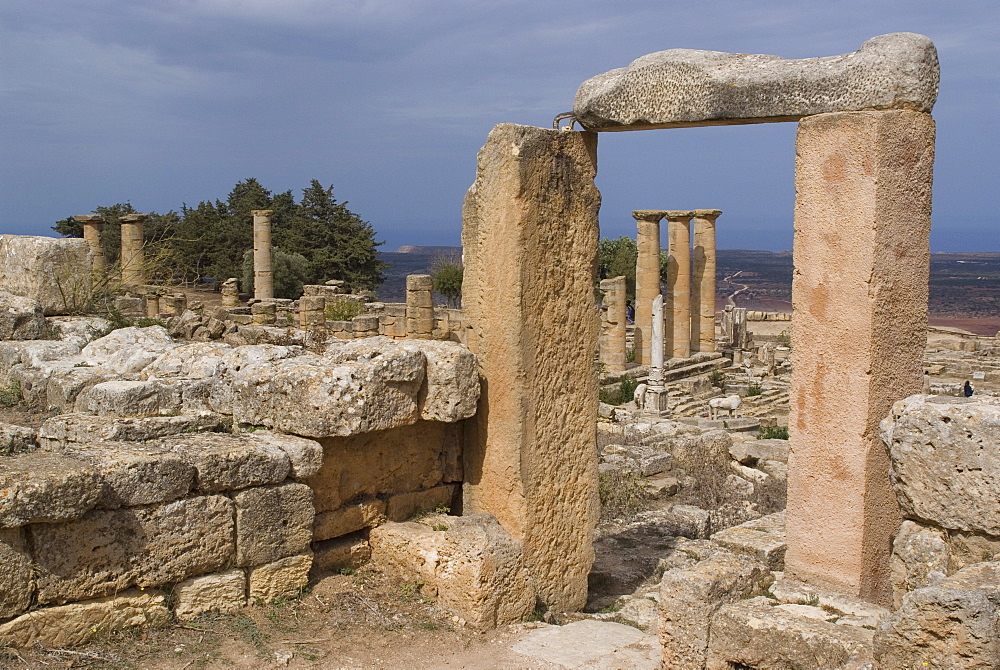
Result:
[{"x": 263, "y": 270}]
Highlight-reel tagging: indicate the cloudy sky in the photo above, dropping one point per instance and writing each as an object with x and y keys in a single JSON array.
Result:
[{"x": 168, "y": 102}]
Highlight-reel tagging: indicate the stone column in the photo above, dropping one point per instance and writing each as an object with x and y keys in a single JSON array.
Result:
[
  {"x": 529, "y": 237},
  {"x": 703, "y": 280},
  {"x": 264, "y": 313},
  {"x": 647, "y": 278},
  {"x": 679, "y": 283},
  {"x": 612, "y": 344},
  {"x": 419, "y": 306},
  {"x": 312, "y": 311},
  {"x": 859, "y": 293},
  {"x": 92, "y": 225},
  {"x": 231, "y": 292},
  {"x": 655, "y": 402},
  {"x": 263, "y": 271},
  {"x": 152, "y": 301},
  {"x": 132, "y": 262}
]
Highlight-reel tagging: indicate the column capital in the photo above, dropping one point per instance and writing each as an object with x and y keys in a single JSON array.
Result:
[
  {"x": 261, "y": 212},
  {"x": 710, "y": 214},
  {"x": 651, "y": 215},
  {"x": 133, "y": 218},
  {"x": 88, "y": 218},
  {"x": 679, "y": 214}
]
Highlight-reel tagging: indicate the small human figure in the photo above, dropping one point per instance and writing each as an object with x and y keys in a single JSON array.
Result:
[
  {"x": 629, "y": 312},
  {"x": 967, "y": 389}
]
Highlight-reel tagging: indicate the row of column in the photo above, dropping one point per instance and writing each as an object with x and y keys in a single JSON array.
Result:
[
  {"x": 132, "y": 260},
  {"x": 689, "y": 301}
]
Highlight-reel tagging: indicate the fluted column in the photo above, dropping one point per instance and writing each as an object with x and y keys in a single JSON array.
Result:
[
  {"x": 263, "y": 271},
  {"x": 647, "y": 278},
  {"x": 132, "y": 261},
  {"x": 679, "y": 283},
  {"x": 92, "y": 224},
  {"x": 703, "y": 280},
  {"x": 612, "y": 342}
]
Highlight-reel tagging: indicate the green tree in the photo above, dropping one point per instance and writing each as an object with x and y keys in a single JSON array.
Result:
[
  {"x": 446, "y": 273},
  {"x": 616, "y": 258},
  {"x": 289, "y": 272}
]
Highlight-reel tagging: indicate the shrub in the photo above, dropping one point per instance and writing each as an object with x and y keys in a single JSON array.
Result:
[
  {"x": 754, "y": 389},
  {"x": 773, "y": 433},
  {"x": 622, "y": 493},
  {"x": 342, "y": 309},
  {"x": 717, "y": 378},
  {"x": 622, "y": 394}
]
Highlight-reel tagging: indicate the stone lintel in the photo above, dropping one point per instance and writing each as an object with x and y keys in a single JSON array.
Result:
[
  {"x": 88, "y": 218},
  {"x": 653, "y": 215},
  {"x": 679, "y": 214},
  {"x": 133, "y": 218}
]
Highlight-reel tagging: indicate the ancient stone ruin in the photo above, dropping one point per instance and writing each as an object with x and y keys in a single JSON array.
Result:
[{"x": 223, "y": 456}]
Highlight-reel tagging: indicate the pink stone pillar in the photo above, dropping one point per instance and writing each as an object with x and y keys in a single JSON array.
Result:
[
  {"x": 647, "y": 279},
  {"x": 862, "y": 220},
  {"x": 678, "y": 303},
  {"x": 703, "y": 280},
  {"x": 132, "y": 261}
]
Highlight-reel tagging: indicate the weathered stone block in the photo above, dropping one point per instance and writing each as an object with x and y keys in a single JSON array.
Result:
[
  {"x": 134, "y": 474},
  {"x": 21, "y": 318},
  {"x": 471, "y": 563},
  {"x": 757, "y": 634},
  {"x": 17, "y": 439},
  {"x": 224, "y": 593},
  {"x": 76, "y": 623},
  {"x": 125, "y": 398},
  {"x": 17, "y": 581},
  {"x": 225, "y": 462},
  {"x": 690, "y": 596},
  {"x": 54, "y": 271},
  {"x": 405, "y": 505},
  {"x": 110, "y": 550},
  {"x": 128, "y": 350},
  {"x": 317, "y": 396},
  {"x": 952, "y": 624},
  {"x": 304, "y": 456},
  {"x": 749, "y": 452},
  {"x": 920, "y": 557},
  {"x": 451, "y": 383},
  {"x": 87, "y": 428},
  {"x": 65, "y": 384},
  {"x": 762, "y": 539},
  {"x": 44, "y": 488},
  {"x": 199, "y": 360},
  {"x": 272, "y": 522},
  {"x": 945, "y": 469},
  {"x": 284, "y": 578},
  {"x": 379, "y": 464},
  {"x": 350, "y": 551},
  {"x": 348, "y": 519},
  {"x": 686, "y": 87}
]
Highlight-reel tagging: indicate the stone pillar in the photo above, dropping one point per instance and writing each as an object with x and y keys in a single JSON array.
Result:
[
  {"x": 655, "y": 402},
  {"x": 92, "y": 225},
  {"x": 612, "y": 344},
  {"x": 264, "y": 313},
  {"x": 365, "y": 325},
  {"x": 859, "y": 327},
  {"x": 263, "y": 271},
  {"x": 152, "y": 305},
  {"x": 132, "y": 262},
  {"x": 703, "y": 280},
  {"x": 312, "y": 311},
  {"x": 679, "y": 283},
  {"x": 529, "y": 238},
  {"x": 231, "y": 292},
  {"x": 647, "y": 278},
  {"x": 419, "y": 306}
]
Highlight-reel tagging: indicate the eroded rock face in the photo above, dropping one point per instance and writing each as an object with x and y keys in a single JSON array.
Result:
[
  {"x": 45, "y": 488},
  {"x": 687, "y": 87},
  {"x": 21, "y": 318},
  {"x": 945, "y": 466},
  {"x": 55, "y": 272}
]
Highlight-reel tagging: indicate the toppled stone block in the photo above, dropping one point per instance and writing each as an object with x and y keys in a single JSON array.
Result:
[
  {"x": 304, "y": 456},
  {"x": 76, "y": 623},
  {"x": 134, "y": 474},
  {"x": 86, "y": 428},
  {"x": 755, "y": 633},
  {"x": 348, "y": 519},
  {"x": 16, "y": 439},
  {"x": 690, "y": 596},
  {"x": 45, "y": 488},
  {"x": 21, "y": 318},
  {"x": 234, "y": 360},
  {"x": 224, "y": 593},
  {"x": 272, "y": 522},
  {"x": 199, "y": 360},
  {"x": 350, "y": 551},
  {"x": 284, "y": 578},
  {"x": 944, "y": 464},
  {"x": 128, "y": 350},
  {"x": 54, "y": 271},
  {"x": 920, "y": 557},
  {"x": 848, "y": 609},
  {"x": 451, "y": 384},
  {"x": 33, "y": 354},
  {"x": 17, "y": 581},
  {"x": 65, "y": 384},
  {"x": 952, "y": 624},
  {"x": 318, "y": 396},
  {"x": 405, "y": 505},
  {"x": 686, "y": 87},
  {"x": 127, "y": 398},
  {"x": 108, "y": 551},
  {"x": 749, "y": 452},
  {"x": 471, "y": 563},
  {"x": 226, "y": 462},
  {"x": 762, "y": 539}
]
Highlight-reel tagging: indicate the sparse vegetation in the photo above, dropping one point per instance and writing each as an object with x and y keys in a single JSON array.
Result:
[
  {"x": 622, "y": 493},
  {"x": 623, "y": 394},
  {"x": 12, "y": 395},
  {"x": 754, "y": 389},
  {"x": 773, "y": 433},
  {"x": 447, "y": 273},
  {"x": 717, "y": 378},
  {"x": 343, "y": 309}
]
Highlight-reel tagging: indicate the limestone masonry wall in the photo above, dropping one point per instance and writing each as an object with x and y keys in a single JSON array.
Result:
[{"x": 195, "y": 476}]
